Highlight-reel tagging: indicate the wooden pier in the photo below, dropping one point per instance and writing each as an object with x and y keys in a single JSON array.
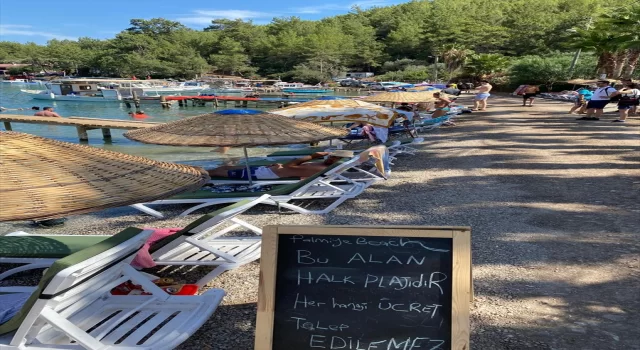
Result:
[{"x": 81, "y": 124}]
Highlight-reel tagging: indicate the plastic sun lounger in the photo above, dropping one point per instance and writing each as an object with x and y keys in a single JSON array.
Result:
[
  {"x": 329, "y": 184},
  {"x": 73, "y": 308},
  {"x": 395, "y": 147},
  {"x": 198, "y": 244},
  {"x": 430, "y": 124},
  {"x": 357, "y": 173}
]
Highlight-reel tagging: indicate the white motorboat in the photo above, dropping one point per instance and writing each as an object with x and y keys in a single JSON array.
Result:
[
  {"x": 163, "y": 88},
  {"x": 235, "y": 90},
  {"x": 76, "y": 90},
  {"x": 23, "y": 82}
]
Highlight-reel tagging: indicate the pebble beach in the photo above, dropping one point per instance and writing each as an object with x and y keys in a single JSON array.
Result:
[{"x": 554, "y": 208}]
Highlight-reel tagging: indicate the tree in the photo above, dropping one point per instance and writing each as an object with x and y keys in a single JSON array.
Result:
[
  {"x": 65, "y": 54},
  {"x": 486, "y": 64},
  {"x": 454, "y": 58},
  {"x": 548, "y": 70},
  {"x": 328, "y": 47},
  {"x": 626, "y": 23},
  {"x": 601, "y": 41},
  {"x": 230, "y": 58},
  {"x": 154, "y": 27}
]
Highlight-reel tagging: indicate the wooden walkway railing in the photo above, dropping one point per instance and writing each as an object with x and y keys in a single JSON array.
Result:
[{"x": 81, "y": 124}]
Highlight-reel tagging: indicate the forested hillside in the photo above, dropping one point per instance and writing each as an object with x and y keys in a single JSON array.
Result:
[{"x": 470, "y": 38}]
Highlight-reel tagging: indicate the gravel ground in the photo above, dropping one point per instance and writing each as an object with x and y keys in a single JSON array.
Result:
[{"x": 554, "y": 207}]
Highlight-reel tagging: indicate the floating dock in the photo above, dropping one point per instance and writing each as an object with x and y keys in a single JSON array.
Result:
[{"x": 82, "y": 124}]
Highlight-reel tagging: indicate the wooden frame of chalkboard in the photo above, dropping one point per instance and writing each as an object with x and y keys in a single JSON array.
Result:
[{"x": 461, "y": 281}]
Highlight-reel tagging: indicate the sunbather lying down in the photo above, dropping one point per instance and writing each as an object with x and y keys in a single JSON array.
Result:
[{"x": 301, "y": 167}]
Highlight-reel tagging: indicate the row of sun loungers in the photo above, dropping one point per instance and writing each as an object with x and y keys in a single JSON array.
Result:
[{"x": 73, "y": 306}]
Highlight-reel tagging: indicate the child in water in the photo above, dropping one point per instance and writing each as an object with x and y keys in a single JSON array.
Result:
[{"x": 138, "y": 115}]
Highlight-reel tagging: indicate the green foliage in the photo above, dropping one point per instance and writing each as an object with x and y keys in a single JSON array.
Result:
[
  {"x": 306, "y": 74},
  {"x": 549, "y": 70},
  {"x": 473, "y": 36},
  {"x": 414, "y": 73},
  {"x": 486, "y": 64},
  {"x": 231, "y": 58}
]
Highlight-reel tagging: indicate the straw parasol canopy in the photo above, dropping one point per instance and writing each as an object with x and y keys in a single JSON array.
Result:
[
  {"x": 244, "y": 130},
  {"x": 347, "y": 110},
  {"x": 401, "y": 97},
  {"x": 582, "y": 81},
  {"x": 45, "y": 179},
  {"x": 589, "y": 81}
]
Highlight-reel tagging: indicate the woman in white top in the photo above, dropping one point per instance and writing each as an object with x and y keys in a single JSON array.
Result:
[{"x": 629, "y": 95}]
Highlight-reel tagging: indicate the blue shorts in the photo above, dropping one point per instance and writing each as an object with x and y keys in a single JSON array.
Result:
[
  {"x": 242, "y": 173},
  {"x": 482, "y": 96},
  {"x": 597, "y": 104},
  {"x": 624, "y": 106}
]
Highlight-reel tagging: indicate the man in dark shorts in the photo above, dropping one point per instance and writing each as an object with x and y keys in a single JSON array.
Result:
[
  {"x": 599, "y": 100},
  {"x": 529, "y": 93}
]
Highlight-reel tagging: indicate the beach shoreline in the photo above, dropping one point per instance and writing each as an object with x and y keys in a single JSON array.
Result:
[{"x": 554, "y": 208}]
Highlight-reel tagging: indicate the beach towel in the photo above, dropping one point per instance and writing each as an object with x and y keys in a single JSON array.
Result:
[
  {"x": 143, "y": 259},
  {"x": 10, "y": 304},
  {"x": 381, "y": 156},
  {"x": 381, "y": 133}
]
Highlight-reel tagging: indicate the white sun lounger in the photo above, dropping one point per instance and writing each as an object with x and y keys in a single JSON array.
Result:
[
  {"x": 201, "y": 243},
  {"x": 72, "y": 307},
  {"x": 331, "y": 184}
]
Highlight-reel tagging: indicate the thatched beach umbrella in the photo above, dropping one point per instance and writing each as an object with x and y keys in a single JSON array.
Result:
[
  {"x": 401, "y": 97},
  {"x": 230, "y": 129},
  {"x": 343, "y": 110},
  {"x": 582, "y": 81},
  {"x": 42, "y": 178}
]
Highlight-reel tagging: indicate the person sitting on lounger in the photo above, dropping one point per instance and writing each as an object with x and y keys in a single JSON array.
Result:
[{"x": 301, "y": 167}]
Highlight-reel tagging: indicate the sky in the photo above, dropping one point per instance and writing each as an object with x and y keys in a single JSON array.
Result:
[{"x": 69, "y": 19}]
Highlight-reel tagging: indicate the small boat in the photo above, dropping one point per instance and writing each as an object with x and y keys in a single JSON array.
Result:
[
  {"x": 299, "y": 88},
  {"x": 235, "y": 89},
  {"x": 307, "y": 91},
  {"x": 161, "y": 87},
  {"x": 90, "y": 90},
  {"x": 23, "y": 82}
]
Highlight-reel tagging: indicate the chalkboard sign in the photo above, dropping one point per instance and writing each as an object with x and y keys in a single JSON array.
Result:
[{"x": 364, "y": 288}]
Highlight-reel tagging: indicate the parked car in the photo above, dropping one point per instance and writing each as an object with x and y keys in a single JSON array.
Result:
[{"x": 352, "y": 83}]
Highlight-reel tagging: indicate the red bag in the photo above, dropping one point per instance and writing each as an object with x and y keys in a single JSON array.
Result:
[{"x": 166, "y": 284}]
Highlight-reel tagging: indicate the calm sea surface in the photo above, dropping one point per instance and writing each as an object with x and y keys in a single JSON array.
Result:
[{"x": 12, "y": 97}]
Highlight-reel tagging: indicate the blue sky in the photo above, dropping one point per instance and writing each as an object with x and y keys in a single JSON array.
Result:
[{"x": 38, "y": 20}]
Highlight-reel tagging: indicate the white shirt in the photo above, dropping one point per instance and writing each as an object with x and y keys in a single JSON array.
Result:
[
  {"x": 406, "y": 114},
  {"x": 602, "y": 94},
  {"x": 634, "y": 93}
]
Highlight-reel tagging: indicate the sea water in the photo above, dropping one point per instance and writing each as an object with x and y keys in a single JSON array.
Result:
[{"x": 12, "y": 97}]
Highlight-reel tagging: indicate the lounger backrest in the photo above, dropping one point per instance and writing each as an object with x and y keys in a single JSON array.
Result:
[
  {"x": 73, "y": 280},
  {"x": 44, "y": 247},
  {"x": 210, "y": 220}
]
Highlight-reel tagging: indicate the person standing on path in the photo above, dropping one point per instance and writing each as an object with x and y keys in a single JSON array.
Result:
[
  {"x": 480, "y": 101},
  {"x": 599, "y": 100},
  {"x": 529, "y": 93},
  {"x": 636, "y": 103},
  {"x": 629, "y": 94}
]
